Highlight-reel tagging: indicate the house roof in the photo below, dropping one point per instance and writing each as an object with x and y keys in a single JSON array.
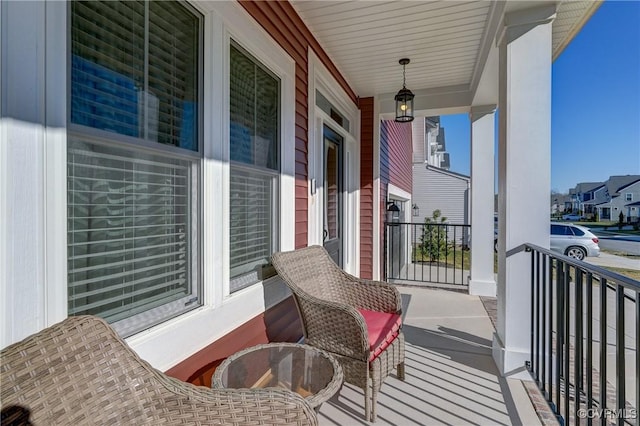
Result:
[
  {"x": 619, "y": 183},
  {"x": 584, "y": 187},
  {"x": 447, "y": 172},
  {"x": 449, "y": 43}
]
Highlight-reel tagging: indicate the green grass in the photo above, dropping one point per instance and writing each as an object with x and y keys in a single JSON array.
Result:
[
  {"x": 634, "y": 274},
  {"x": 454, "y": 257}
]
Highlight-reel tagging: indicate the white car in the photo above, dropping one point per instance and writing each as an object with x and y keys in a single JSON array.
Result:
[
  {"x": 571, "y": 216},
  {"x": 573, "y": 240}
]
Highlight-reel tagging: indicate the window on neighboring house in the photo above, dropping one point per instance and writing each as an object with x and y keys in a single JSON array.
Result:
[
  {"x": 255, "y": 167},
  {"x": 133, "y": 162},
  {"x": 628, "y": 196}
]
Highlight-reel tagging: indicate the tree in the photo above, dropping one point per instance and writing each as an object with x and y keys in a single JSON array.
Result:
[{"x": 433, "y": 241}]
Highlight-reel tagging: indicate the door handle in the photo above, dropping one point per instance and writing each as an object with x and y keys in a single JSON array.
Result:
[{"x": 325, "y": 234}]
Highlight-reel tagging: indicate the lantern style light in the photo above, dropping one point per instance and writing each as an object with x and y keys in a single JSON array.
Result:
[
  {"x": 416, "y": 210},
  {"x": 393, "y": 212},
  {"x": 404, "y": 98}
]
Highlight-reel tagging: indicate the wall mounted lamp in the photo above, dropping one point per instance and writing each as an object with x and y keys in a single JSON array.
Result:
[{"x": 393, "y": 212}]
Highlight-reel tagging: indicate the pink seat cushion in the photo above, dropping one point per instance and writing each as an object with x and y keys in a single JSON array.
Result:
[{"x": 383, "y": 329}]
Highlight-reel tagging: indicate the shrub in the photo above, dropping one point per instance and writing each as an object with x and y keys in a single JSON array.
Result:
[{"x": 433, "y": 241}]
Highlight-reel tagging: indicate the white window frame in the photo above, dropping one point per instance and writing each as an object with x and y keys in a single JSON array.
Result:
[
  {"x": 272, "y": 57},
  {"x": 96, "y": 136},
  {"x": 169, "y": 343},
  {"x": 223, "y": 312},
  {"x": 628, "y": 196},
  {"x": 274, "y": 174}
]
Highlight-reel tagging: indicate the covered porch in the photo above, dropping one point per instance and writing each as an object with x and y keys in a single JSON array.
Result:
[{"x": 451, "y": 377}]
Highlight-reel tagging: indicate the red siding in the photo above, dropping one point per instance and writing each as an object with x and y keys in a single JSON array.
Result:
[
  {"x": 396, "y": 156},
  {"x": 282, "y": 22},
  {"x": 366, "y": 187},
  {"x": 279, "y": 324}
]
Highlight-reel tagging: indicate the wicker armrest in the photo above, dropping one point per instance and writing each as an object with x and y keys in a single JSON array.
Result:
[{"x": 335, "y": 327}]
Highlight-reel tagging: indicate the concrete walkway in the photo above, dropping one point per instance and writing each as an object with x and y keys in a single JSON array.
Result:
[{"x": 451, "y": 378}]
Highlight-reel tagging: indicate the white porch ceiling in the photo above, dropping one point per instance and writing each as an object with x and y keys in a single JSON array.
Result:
[{"x": 447, "y": 41}]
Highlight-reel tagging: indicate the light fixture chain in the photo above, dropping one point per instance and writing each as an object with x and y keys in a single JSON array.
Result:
[{"x": 404, "y": 79}]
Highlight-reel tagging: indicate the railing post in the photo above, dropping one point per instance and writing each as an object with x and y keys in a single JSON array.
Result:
[
  {"x": 532, "y": 298},
  {"x": 620, "y": 356},
  {"x": 537, "y": 264},
  {"x": 567, "y": 342},
  {"x": 552, "y": 287},
  {"x": 385, "y": 255},
  {"x": 559, "y": 331},
  {"x": 589, "y": 360},
  {"x": 577, "y": 372},
  {"x": 603, "y": 346},
  {"x": 543, "y": 325},
  {"x": 637, "y": 355}
]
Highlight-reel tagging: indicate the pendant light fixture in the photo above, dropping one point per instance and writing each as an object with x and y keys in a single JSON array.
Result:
[{"x": 404, "y": 98}]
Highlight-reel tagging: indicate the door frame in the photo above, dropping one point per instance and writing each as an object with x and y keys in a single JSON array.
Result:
[{"x": 320, "y": 79}]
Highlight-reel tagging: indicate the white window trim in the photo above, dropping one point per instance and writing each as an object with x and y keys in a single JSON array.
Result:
[
  {"x": 321, "y": 79},
  {"x": 171, "y": 342}
]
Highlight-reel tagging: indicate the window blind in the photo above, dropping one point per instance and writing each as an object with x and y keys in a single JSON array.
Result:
[
  {"x": 128, "y": 232},
  {"x": 134, "y": 69},
  {"x": 255, "y": 156},
  {"x": 251, "y": 224}
]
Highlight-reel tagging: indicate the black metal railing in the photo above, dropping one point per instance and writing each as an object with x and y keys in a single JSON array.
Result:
[
  {"x": 585, "y": 329},
  {"x": 433, "y": 253}
]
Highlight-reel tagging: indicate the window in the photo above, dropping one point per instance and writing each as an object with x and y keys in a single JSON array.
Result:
[
  {"x": 628, "y": 196},
  {"x": 560, "y": 230},
  {"x": 255, "y": 166},
  {"x": 133, "y": 162},
  {"x": 576, "y": 231}
]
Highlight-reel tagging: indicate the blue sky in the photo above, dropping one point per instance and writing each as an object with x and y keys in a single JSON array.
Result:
[{"x": 595, "y": 117}]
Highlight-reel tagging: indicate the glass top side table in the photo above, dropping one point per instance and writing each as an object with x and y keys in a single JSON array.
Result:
[{"x": 312, "y": 373}]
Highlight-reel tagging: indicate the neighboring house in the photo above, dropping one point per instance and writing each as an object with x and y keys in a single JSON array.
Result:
[
  {"x": 434, "y": 186},
  {"x": 439, "y": 189},
  {"x": 429, "y": 145},
  {"x": 560, "y": 203},
  {"x": 583, "y": 196},
  {"x": 155, "y": 154},
  {"x": 618, "y": 196}
]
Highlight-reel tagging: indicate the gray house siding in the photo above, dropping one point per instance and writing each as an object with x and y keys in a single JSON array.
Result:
[{"x": 439, "y": 189}]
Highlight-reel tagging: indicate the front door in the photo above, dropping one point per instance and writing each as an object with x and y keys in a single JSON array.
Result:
[{"x": 333, "y": 197}]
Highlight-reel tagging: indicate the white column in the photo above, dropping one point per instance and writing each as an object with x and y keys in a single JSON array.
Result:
[
  {"x": 483, "y": 282},
  {"x": 524, "y": 164}
]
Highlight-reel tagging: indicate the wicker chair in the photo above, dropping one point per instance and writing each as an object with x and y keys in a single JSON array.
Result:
[
  {"x": 336, "y": 309},
  {"x": 79, "y": 372}
]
